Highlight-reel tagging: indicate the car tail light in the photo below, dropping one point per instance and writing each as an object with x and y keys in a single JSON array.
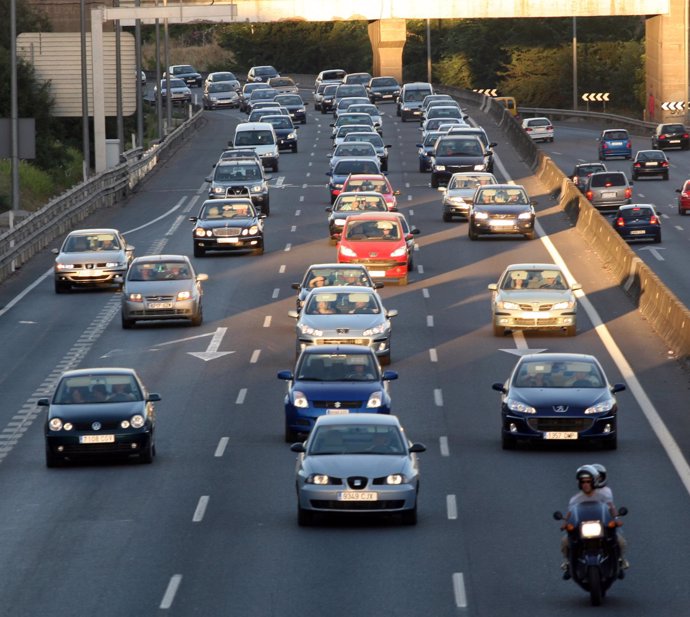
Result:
[
  {"x": 620, "y": 222},
  {"x": 685, "y": 136},
  {"x": 628, "y": 144},
  {"x": 608, "y": 184},
  {"x": 528, "y": 129},
  {"x": 589, "y": 195},
  {"x": 662, "y": 137},
  {"x": 664, "y": 163},
  {"x": 637, "y": 164},
  {"x": 628, "y": 193},
  {"x": 549, "y": 128},
  {"x": 653, "y": 220},
  {"x": 604, "y": 145}
]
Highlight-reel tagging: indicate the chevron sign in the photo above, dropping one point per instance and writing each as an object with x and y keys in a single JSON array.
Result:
[
  {"x": 673, "y": 105},
  {"x": 486, "y": 91},
  {"x": 596, "y": 96}
]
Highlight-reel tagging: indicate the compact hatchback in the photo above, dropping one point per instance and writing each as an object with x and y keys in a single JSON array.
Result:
[
  {"x": 501, "y": 209},
  {"x": 614, "y": 142},
  {"x": 650, "y": 163},
  {"x": 582, "y": 171},
  {"x": 684, "y": 198},
  {"x": 457, "y": 196},
  {"x": 607, "y": 189},
  {"x": 671, "y": 136},
  {"x": 538, "y": 129},
  {"x": 373, "y": 182},
  {"x": 638, "y": 222}
]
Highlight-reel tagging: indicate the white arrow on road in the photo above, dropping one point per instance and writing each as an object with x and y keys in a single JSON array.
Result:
[
  {"x": 212, "y": 352},
  {"x": 521, "y": 348},
  {"x": 654, "y": 251}
]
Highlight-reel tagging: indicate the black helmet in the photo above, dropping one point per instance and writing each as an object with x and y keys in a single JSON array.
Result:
[
  {"x": 600, "y": 481},
  {"x": 587, "y": 471}
]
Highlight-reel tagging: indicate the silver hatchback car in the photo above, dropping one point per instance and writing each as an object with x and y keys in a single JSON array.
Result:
[
  {"x": 457, "y": 196},
  {"x": 608, "y": 189}
]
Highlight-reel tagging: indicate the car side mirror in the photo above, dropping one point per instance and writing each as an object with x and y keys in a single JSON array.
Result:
[
  {"x": 202, "y": 277},
  {"x": 396, "y": 192},
  {"x": 153, "y": 397},
  {"x": 492, "y": 286},
  {"x": 391, "y": 313},
  {"x": 499, "y": 387},
  {"x": 618, "y": 387},
  {"x": 378, "y": 285},
  {"x": 389, "y": 375},
  {"x": 294, "y": 314},
  {"x": 298, "y": 447},
  {"x": 43, "y": 402},
  {"x": 285, "y": 375},
  {"x": 296, "y": 286},
  {"x": 208, "y": 179},
  {"x": 193, "y": 219},
  {"x": 417, "y": 447}
]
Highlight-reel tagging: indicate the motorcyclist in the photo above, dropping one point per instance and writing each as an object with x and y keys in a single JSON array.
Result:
[{"x": 606, "y": 492}]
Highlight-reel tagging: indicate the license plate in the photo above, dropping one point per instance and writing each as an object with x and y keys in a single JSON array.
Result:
[
  {"x": 97, "y": 439},
  {"x": 337, "y": 412},
  {"x": 159, "y": 305},
  {"x": 501, "y": 223},
  {"x": 228, "y": 240},
  {"x": 638, "y": 232},
  {"x": 616, "y": 143},
  {"x": 90, "y": 273},
  {"x": 377, "y": 272},
  {"x": 560, "y": 435},
  {"x": 674, "y": 141},
  {"x": 358, "y": 496},
  {"x": 652, "y": 164},
  {"x": 608, "y": 194}
]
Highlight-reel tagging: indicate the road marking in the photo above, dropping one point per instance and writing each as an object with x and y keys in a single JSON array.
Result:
[
  {"x": 451, "y": 507},
  {"x": 411, "y": 212},
  {"x": 433, "y": 357},
  {"x": 267, "y": 321},
  {"x": 430, "y": 321},
  {"x": 170, "y": 592},
  {"x": 298, "y": 212},
  {"x": 279, "y": 181},
  {"x": 443, "y": 446},
  {"x": 241, "y": 396},
  {"x": 409, "y": 198},
  {"x": 420, "y": 269},
  {"x": 288, "y": 246},
  {"x": 678, "y": 227},
  {"x": 255, "y": 356},
  {"x": 293, "y": 229},
  {"x": 222, "y": 444},
  {"x": 281, "y": 270},
  {"x": 438, "y": 397},
  {"x": 301, "y": 197},
  {"x": 425, "y": 292},
  {"x": 276, "y": 293},
  {"x": 212, "y": 352},
  {"x": 200, "y": 509},
  {"x": 459, "y": 590}
]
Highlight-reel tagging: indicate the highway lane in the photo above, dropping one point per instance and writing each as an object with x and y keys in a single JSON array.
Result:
[{"x": 114, "y": 538}]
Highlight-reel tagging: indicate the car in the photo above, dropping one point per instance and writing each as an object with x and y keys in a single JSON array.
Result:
[
  {"x": 383, "y": 88},
  {"x": 350, "y": 90},
  {"x": 247, "y": 90},
  {"x": 430, "y": 98},
  {"x": 409, "y": 233},
  {"x": 614, "y": 142},
  {"x": 638, "y": 222},
  {"x": 346, "y": 129},
  {"x": 228, "y": 225},
  {"x": 650, "y": 163},
  {"x": 285, "y": 131},
  {"x": 220, "y": 94},
  {"x": 344, "y": 168},
  {"x": 558, "y": 398},
  {"x": 295, "y": 105},
  {"x": 343, "y": 104},
  {"x": 357, "y": 78},
  {"x": 162, "y": 287},
  {"x": 373, "y": 182},
  {"x": 179, "y": 91},
  {"x": 372, "y": 110},
  {"x": 259, "y": 113},
  {"x": 357, "y": 464},
  {"x": 223, "y": 76},
  {"x": 97, "y": 412},
  {"x": 377, "y": 240},
  {"x": 538, "y": 129},
  {"x": 608, "y": 189},
  {"x": 261, "y": 74},
  {"x": 533, "y": 296},
  {"x": 477, "y": 131},
  {"x": 259, "y": 95},
  {"x": 238, "y": 153},
  {"x": 447, "y": 112},
  {"x": 510, "y": 105},
  {"x": 458, "y": 194},
  {"x": 342, "y": 314},
  {"x": 327, "y": 101},
  {"x": 318, "y": 95},
  {"x": 671, "y": 136},
  {"x": 328, "y": 274},
  {"x": 284, "y": 85},
  {"x": 330, "y": 76},
  {"x": 330, "y": 380},
  {"x": 352, "y": 149},
  {"x": 582, "y": 171},
  {"x": 261, "y": 137},
  {"x": 348, "y": 118},
  {"x": 425, "y": 150},
  {"x": 684, "y": 198},
  {"x": 428, "y": 105},
  {"x": 501, "y": 209},
  {"x": 435, "y": 124},
  {"x": 409, "y": 103},
  {"x": 186, "y": 73},
  {"x": 240, "y": 177},
  {"x": 375, "y": 140},
  {"x": 91, "y": 258},
  {"x": 348, "y": 204},
  {"x": 453, "y": 154}
]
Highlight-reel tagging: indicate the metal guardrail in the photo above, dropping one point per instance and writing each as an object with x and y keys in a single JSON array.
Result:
[{"x": 601, "y": 118}]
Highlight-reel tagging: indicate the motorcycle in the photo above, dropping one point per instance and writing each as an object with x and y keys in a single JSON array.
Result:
[{"x": 593, "y": 550}]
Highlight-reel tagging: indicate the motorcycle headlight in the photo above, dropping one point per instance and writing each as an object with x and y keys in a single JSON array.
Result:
[
  {"x": 305, "y": 329},
  {"x": 375, "y": 400},
  {"x": 508, "y": 306},
  {"x": 184, "y": 295},
  {"x": 300, "y": 400},
  {"x": 602, "y": 407},
  {"x": 395, "y": 478},
  {"x": 318, "y": 478},
  {"x": 134, "y": 297},
  {"x": 519, "y": 406},
  {"x": 399, "y": 252},
  {"x": 347, "y": 251},
  {"x": 591, "y": 529}
]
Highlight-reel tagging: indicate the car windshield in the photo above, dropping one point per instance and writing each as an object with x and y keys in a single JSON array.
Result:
[
  {"x": 444, "y": 112},
  {"x": 533, "y": 279},
  {"x": 586, "y": 170},
  {"x": 263, "y": 94},
  {"x": 635, "y": 213},
  {"x": 102, "y": 388},
  {"x": 615, "y": 135},
  {"x": 459, "y": 147},
  {"x": 289, "y": 99},
  {"x": 221, "y": 86},
  {"x": 499, "y": 197},
  {"x": 265, "y": 70},
  {"x": 468, "y": 181},
  {"x": 360, "y": 203},
  {"x": 600, "y": 180},
  {"x": 337, "y": 367},
  {"x": 318, "y": 277},
  {"x": 227, "y": 76},
  {"x": 539, "y": 122},
  {"x": 383, "y": 81},
  {"x": 174, "y": 83},
  {"x": 558, "y": 374},
  {"x": 240, "y": 209},
  {"x": 92, "y": 242},
  {"x": 415, "y": 95},
  {"x": 373, "y": 231},
  {"x": 373, "y": 138},
  {"x": 354, "y": 149},
  {"x": 651, "y": 155},
  {"x": 237, "y": 173},
  {"x": 183, "y": 69},
  {"x": 374, "y": 184},
  {"x": 159, "y": 271},
  {"x": 279, "y": 122},
  {"x": 329, "y": 303},
  {"x": 357, "y": 439},
  {"x": 673, "y": 128},
  {"x": 355, "y": 166}
]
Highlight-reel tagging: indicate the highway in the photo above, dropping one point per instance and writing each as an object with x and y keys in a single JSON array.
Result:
[{"x": 211, "y": 529}]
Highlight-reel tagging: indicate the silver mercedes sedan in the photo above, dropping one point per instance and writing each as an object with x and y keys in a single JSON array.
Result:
[
  {"x": 345, "y": 315},
  {"x": 354, "y": 464},
  {"x": 534, "y": 296}
]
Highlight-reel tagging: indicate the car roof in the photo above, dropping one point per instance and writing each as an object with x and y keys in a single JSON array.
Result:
[
  {"x": 95, "y": 230},
  {"x": 344, "y": 289},
  {"x": 633, "y": 206},
  {"x": 168, "y": 257},
  {"x": 101, "y": 370},
  {"x": 533, "y": 266},
  {"x": 253, "y": 126},
  {"x": 559, "y": 357},
  {"x": 357, "y": 418}
]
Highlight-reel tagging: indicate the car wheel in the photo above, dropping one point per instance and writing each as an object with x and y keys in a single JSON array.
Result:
[
  {"x": 507, "y": 442},
  {"x": 434, "y": 181},
  {"x": 146, "y": 456},
  {"x": 305, "y": 518},
  {"x": 127, "y": 324},
  {"x": 422, "y": 167},
  {"x": 571, "y": 330},
  {"x": 499, "y": 330},
  {"x": 397, "y": 111},
  {"x": 304, "y": 120},
  {"x": 447, "y": 218},
  {"x": 323, "y": 111},
  {"x": 681, "y": 211},
  {"x": 259, "y": 251},
  {"x": 199, "y": 251},
  {"x": 384, "y": 165},
  {"x": 61, "y": 287},
  {"x": 634, "y": 176},
  {"x": 385, "y": 360},
  {"x": 198, "y": 319},
  {"x": 403, "y": 280},
  {"x": 275, "y": 167},
  {"x": 666, "y": 176},
  {"x": 471, "y": 233},
  {"x": 611, "y": 443},
  {"x": 294, "y": 148},
  {"x": 290, "y": 435},
  {"x": 657, "y": 240},
  {"x": 409, "y": 517},
  {"x": 403, "y": 117},
  {"x": 53, "y": 461}
]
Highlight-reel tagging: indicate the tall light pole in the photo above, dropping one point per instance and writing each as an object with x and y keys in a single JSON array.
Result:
[
  {"x": 428, "y": 50},
  {"x": 86, "y": 151},
  {"x": 14, "y": 108},
  {"x": 574, "y": 62},
  {"x": 140, "y": 92}
]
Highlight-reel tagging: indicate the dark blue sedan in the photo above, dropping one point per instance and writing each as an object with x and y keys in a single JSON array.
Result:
[
  {"x": 332, "y": 380},
  {"x": 558, "y": 397}
]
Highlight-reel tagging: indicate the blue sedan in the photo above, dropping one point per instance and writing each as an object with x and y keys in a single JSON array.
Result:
[{"x": 333, "y": 380}]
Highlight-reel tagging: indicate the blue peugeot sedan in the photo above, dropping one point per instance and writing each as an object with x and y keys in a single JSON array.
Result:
[{"x": 333, "y": 380}]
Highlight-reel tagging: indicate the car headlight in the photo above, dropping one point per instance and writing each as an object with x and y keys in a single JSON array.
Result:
[
  {"x": 340, "y": 222},
  {"x": 137, "y": 421},
  {"x": 525, "y": 215},
  {"x": 347, "y": 251},
  {"x": 380, "y": 329},
  {"x": 135, "y": 297},
  {"x": 55, "y": 424},
  {"x": 399, "y": 252},
  {"x": 114, "y": 264},
  {"x": 406, "y": 108},
  {"x": 395, "y": 478},
  {"x": 64, "y": 266},
  {"x": 300, "y": 110},
  {"x": 199, "y": 232},
  {"x": 375, "y": 399},
  {"x": 292, "y": 136},
  {"x": 481, "y": 215},
  {"x": 300, "y": 400},
  {"x": 305, "y": 329},
  {"x": 602, "y": 407},
  {"x": 456, "y": 201},
  {"x": 317, "y": 478},
  {"x": 480, "y": 167},
  {"x": 184, "y": 295},
  {"x": 256, "y": 188},
  {"x": 217, "y": 189},
  {"x": 439, "y": 167},
  {"x": 564, "y": 305},
  {"x": 519, "y": 406},
  {"x": 337, "y": 186},
  {"x": 213, "y": 99},
  {"x": 508, "y": 306},
  {"x": 254, "y": 229}
]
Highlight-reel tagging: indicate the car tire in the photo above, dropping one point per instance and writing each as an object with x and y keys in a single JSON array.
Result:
[
  {"x": 447, "y": 218},
  {"x": 53, "y": 461},
  {"x": 403, "y": 280},
  {"x": 304, "y": 120},
  {"x": 305, "y": 518},
  {"x": 422, "y": 167},
  {"x": 657, "y": 240},
  {"x": 471, "y": 233},
  {"x": 499, "y": 330},
  {"x": 386, "y": 359},
  {"x": 409, "y": 517},
  {"x": 571, "y": 330},
  {"x": 127, "y": 324},
  {"x": 397, "y": 111},
  {"x": 384, "y": 165},
  {"x": 197, "y": 319},
  {"x": 147, "y": 454},
  {"x": 61, "y": 287},
  {"x": 199, "y": 251},
  {"x": 290, "y": 435},
  {"x": 665, "y": 176},
  {"x": 531, "y": 235},
  {"x": 294, "y": 148},
  {"x": 508, "y": 443},
  {"x": 434, "y": 180},
  {"x": 275, "y": 167},
  {"x": 611, "y": 443},
  {"x": 259, "y": 251}
]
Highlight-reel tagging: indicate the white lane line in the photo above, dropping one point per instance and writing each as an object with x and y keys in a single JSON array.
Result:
[
  {"x": 222, "y": 445},
  {"x": 159, "y": 218},
  {"x": 443, "y": 446},
  {"x": 678, "y": 227},
  {"x": 173, "y": 228},
  {"x": 298, "y": 212},
  {"x": 282, "y": 268},
  {"x": 438, "y": 397},
  {"x": 200, "y": 509},
  {"x": 191, "y": 204},
  {"x": 267, "y": 321},
  {"x": 425, "y": 292},
  {"x": 451, "y": 507},
  {"x": 293, "y": 229},
  {"x": 420, "y": 269},
  {"x": 411, "y": 212},
  {"x": 407, "y": 185},
  {"x": 288, "y": 246},
  {"x": 276, "y": 293},
  {"x": 520, "y": 342},
  {"x": 280, "y": 180},
  {"x": 409, "y": 197},
  {"x": 301, "y": 197},
  {"x": 170, "y": 592},
  {"x": 433, "y": 356},
  {"x": 255, "y": 356},
  {"x": 459, "y": 590},
  {"x": 241, "y": 396}
]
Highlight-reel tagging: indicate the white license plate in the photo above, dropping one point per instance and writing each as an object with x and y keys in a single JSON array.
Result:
[
  {"x": 560, "y": 435},
  {"x": 358, "y": 496},
  {"x": 652, "y": 164},
  {"x": 674, "y": 141},
  {"x": 616, "y": 143},
  {"x": 500, "y": 223},
  {"x": 227, "y": 240},
  {"x": 377, "y": 272},
  {"x": 609, "y": 194},
  {"x": 337, "y": 412},
  {"x": 90, "y": 273},
  {"x": 638, "y": 232},
  {"x": 159, "y": 305},
  {"x": 97, "y": 439}
]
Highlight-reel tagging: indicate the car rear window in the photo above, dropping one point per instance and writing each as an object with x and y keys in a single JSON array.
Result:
[
  {"x": 586, "y": 170},
  {"x": 608, "y": 179},
  {"x": 615, "y": 135},
  {"x": 356, "y": 167},
  {"x": 636, "y": 213},
  {"x": 651, "y": 155}
]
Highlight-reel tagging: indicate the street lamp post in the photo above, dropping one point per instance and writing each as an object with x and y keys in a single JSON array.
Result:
[
  {"x": 86, "y": 151},
  {"x": 575, "y": 63}
]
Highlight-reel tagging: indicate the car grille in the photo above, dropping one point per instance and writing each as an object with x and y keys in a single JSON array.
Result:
[
  {"x": 502, "y": 216},
  {"x": 342, "y": 341},
  {"x": 367, "y": 506},
  {"x": 160, "y": 298},
  {"x": 231, "y": 191},
  {"x": 379, "y": 264},
  {"x": 91, "y": 266},
  {"x": 535, "y": 307},
  {"x": 560, "y": 424},
  {"x": 227, "y": 232},
  {"x": 161, "y": 313},
  {"x": 106, "y": 425},
  {"x": 338, "y": 404},
  {"x": 547, "y": 321}
]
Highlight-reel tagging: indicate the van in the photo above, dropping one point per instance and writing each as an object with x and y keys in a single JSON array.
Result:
[
  {"x": 260, "y": 137},
  {"x": 509, "y": 103},
  {"x": 410, "y": 99}
]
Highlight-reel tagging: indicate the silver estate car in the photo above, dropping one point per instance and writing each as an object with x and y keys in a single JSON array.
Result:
[
  {"x": 345, "y": 315},
  {"x": 162, "y": 287},
  {"x": 357, "y": 464},
  {"x": 457, "y": 196},
  {"x": 91, "y": 257},
  {"x": 533, "y": 296}
]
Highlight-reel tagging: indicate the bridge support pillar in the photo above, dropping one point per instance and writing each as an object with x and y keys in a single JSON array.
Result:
[
  {"x": 387, "y": 38},
  {"x": 667, "y": 63}
]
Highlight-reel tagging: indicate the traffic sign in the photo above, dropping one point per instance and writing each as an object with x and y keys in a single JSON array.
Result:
[
  {"x": 486, "y": 91},
  {"x": 596, "y": 96},
  {"x": 673, "y": 105}
]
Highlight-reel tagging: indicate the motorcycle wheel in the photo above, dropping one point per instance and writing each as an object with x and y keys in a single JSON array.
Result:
[{"x": 595, "y": 587}]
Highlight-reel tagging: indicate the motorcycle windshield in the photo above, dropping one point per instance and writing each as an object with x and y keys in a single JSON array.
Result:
[{"x": 590, "y": 511}]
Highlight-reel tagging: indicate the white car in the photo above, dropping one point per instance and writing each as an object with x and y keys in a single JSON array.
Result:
[{"x": 539, "y": 129}]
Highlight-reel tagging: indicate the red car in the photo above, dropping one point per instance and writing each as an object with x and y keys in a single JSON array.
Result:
[
  {"x": 377, "y": 241},
  {"x": 684, "y": 198},
  {"x": 373, "y": 182}
]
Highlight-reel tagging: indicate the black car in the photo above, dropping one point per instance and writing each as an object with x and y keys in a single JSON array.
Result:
[
  {"x": 558, "y": 398},
  {"x": 582, "y": 171},
  {"x": 383, "y": 89},
  {"x": 501, "y": 209},
  {"x": 350, "y": 203},
  {"x": 638, "y": 222},
  {"x": 425, "y": 150},
  {"x": 650, "y": 163},
  {"x": 344, "y": 168},
  {"x": 295, "y": 105},
  {"x": 285, "y": 131},
  {"x": 186, "y": 73},
  {"x": 240, "y": 178},
  {"x": 247, "y": 90},
  {"x": 328, "y": 98},
  {"x": 228, "y": 225},
  {"x": 98, "y": 412},
  {"x": 671, "y": 136},
  {"x": 454, "y": 153}
]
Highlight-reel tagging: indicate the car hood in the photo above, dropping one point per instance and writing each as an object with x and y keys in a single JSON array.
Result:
[
  {"x": 516, "y": 209},
  {"x": 244, "y": 221},
  {"x": 465, "y": 194},
  {"x": 223, "y": 95},
  {"x": 338, "y": 390},
  {"x": 460, "y": 160},
  {"x": 543, "y": 399},
  {"x": 96, "y": 411},
  {"x": 524, "y": 296},
  {"x": 91, "y": 257},
  {"x": 333, "y": 323},
  {"x": 372, "y": 248},
  {"x": 344, "y": 465}
]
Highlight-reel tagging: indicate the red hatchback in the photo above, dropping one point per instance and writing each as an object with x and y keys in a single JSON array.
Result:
[
  {"x": 377, "y": 241},
  {"x": 373, "y": 182},
  {"x": 684, "y": 198}
]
